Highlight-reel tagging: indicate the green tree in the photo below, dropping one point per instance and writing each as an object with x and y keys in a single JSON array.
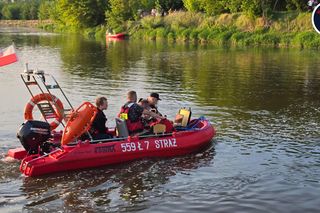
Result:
[
  {"x": 1, "y": 6},
  {"x": 166, "y": 5},
  {"x": 121, "y": 11},
  {"x": 192, "y": 5},
  {"x": 118, "y": 14},
  {"x": 11, "y": 11},
  {"x": 80, "y": 13},
  {"x": 296, "y": 5},
  {"x": 29, "y": 10},
  {"x": 234, "y": 5},
  {"x": 214, "y": 7},
  {"x": 45, "y": 9},
  {"x": 252, "y": 7},
  {"x": 147, "y": 5}
]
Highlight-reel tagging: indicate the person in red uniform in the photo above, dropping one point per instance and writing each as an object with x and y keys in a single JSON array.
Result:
[
  {"x": 98, "y": 128},
  {"x": 132, "y": 113}
]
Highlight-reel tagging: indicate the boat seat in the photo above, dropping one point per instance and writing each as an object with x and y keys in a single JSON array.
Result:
[
  {"x": 183, "y": 117},
  {"x": 159, "y": 128},
  {"x": 121, "y": 128}
]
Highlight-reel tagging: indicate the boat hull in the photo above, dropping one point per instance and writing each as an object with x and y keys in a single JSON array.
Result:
[
  {"x": 88, "y": 155},
  {"x": 119, "y": 36}
]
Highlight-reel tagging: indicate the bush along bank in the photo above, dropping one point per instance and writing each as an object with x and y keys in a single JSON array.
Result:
[{"x": 287, "y": 29}]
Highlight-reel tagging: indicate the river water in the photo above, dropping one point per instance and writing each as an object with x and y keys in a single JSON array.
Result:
[{"x": 264, "y": 103}]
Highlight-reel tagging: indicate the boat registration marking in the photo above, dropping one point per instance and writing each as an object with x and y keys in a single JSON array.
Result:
[
  {"x": 165, "y": 143},
  {"x": 129, "y": 147},
  {"x": 146, "y": 145}
]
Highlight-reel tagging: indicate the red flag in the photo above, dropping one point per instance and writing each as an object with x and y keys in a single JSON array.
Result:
[{"x": 8, "y": 56}]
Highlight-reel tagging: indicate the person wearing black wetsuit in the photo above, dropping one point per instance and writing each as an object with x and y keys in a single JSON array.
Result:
[{"x": 98, "y": 128}]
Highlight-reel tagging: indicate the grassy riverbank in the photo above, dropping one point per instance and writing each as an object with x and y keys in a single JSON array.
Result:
[
  {"x": 287, "y": 29},
  {"x": 50, "y": 26},
  {"x": 281, "y": 29},
  {"x": 26, "y": 23}
]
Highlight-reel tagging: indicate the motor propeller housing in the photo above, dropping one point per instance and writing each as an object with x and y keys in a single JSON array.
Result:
[{"x": 32, "y": 134}]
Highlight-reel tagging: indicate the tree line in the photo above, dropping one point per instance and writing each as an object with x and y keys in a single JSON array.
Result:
[{"x": 116, "y": 13}]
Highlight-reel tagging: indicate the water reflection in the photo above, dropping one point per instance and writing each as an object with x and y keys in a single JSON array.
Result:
[
  {"x": 114, "y": 188},
  {"x": 207, "y": 74},
  {"x": 209, "y": 77},
  {"x": 264, "y": 102}
]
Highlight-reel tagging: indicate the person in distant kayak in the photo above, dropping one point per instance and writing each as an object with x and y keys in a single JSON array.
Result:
[
  {"x": 98, "y": 128},
  {"x": 132, "y": 113}
]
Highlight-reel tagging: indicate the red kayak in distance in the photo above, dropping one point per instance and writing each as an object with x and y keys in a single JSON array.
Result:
[{"x": 118, "y": 36}]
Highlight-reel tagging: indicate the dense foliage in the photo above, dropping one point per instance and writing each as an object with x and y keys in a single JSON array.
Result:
[
  {"x": 226, "y": 22},
  {"x": 27, "y": 10},
  {"x": 251, "y": 7},
  {"x": 79, "y": 13},
  {"x": 116, "y": 15}
]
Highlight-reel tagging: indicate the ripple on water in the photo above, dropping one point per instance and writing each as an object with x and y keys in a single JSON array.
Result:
[{"x": 264, "y": 104}]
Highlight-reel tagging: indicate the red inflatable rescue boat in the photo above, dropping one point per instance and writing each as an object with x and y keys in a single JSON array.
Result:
[
  {"x": 72, "y": 154},
  {"x": 86, "y": 155},
  {"x": 46, "y": 151}
]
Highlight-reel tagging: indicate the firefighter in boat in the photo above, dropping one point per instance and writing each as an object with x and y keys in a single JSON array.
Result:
[
  {"x": 98, "y": 128},
  {"x": 132, "y": 113}
]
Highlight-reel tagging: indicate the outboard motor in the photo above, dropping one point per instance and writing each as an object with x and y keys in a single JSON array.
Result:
[{"x": 32, "y": 134}]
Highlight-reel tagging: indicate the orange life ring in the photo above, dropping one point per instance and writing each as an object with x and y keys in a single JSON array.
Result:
[
  {"x": 58, "y": 115},
  {"x": 79, "y": 122}
]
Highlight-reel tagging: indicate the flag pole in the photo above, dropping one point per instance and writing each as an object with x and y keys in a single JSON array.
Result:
[{"x": 18, "y": 56}]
